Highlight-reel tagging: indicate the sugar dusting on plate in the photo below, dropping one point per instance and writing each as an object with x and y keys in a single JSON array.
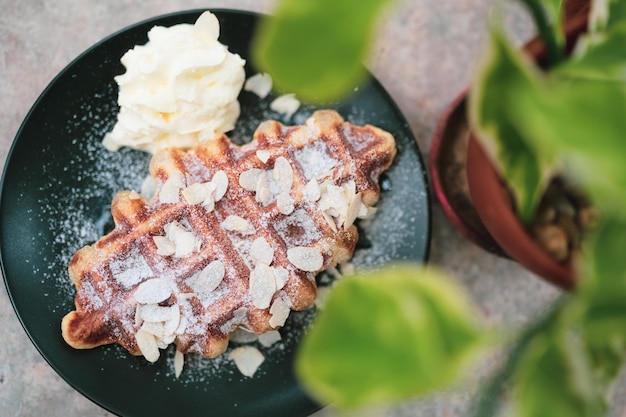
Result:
[{"x": 78, "y": 213}]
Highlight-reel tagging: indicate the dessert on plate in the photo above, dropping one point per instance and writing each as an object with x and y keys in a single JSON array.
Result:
[{"x": 232, "y": 238}]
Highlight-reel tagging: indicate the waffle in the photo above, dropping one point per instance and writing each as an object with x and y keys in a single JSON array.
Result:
[{"x": 232, "y": 237}]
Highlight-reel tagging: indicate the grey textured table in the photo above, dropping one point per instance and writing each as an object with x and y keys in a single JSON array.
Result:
[{"x": 424, "y": 57}]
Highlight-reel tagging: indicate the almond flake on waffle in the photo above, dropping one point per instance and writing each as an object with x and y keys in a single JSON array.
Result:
[{"x": 232, "y": 238}]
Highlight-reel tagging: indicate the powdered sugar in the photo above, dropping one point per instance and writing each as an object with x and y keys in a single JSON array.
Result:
[
  {"x": 78, "y": 213},
  {"x": 131, "y": 270},
  {"x": 315, "y": 159},
  {"x": 76, "y": 201},
  {"x": 297, "y": 229}
]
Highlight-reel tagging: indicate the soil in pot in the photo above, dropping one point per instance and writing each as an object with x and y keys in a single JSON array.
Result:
[{"x": 564, "y": 218}]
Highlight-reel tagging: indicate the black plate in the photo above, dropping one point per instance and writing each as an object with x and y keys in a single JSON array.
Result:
[{"x": 57, "y": 187}]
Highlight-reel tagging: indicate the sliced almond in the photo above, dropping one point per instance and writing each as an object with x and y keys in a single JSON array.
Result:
[
  {"x": 366, "y": 212},
  {"x": 283, "y": 174},
  {"x": 240, "y": 316},
  {"x": 261, "y": 251},
  {"x": 336, "y": 198},
  {"x": 306, "y": 258},
  {"x": 182, "y": 325},
  {"x": 259, "y": 84},
  {"x": 209, "y": 204},
  {"x": 172, "y": 229},
  {"x": 134, "y": 195},
  {"x": 280, "y": 311},
  {"x": 154, "y": 328},
  {"x": 267, "y": 339},
  {"x": 155, "y": 313},
  {"x": 151, "y": 291},
  {"x": 287, "y": 104},
  {"x": 249, "y": 179},
  {"x": 184, "y": 240},
  {"x": 220, "y": 180},
  {"x": 354, "y": 207},
  {"x": 138, "y": 319},
  {"x": 262, "y": 286},
  {"x": 349, "y": 188},
  {"x": 209, "y": 278},
  {"x": 171, "y": 325},
  {"x": 237, "y": 224},
  {"x": 242, "y": 335},
  {"x": 323, "y": 186},
  {"x": 263, "y": 155},
  {"x": 247, "y": 359},
  {"x": 147, "y": 344},
  {"x": 206, "y": 29},
  {"x": 148, "y": 187},
  {"x": 179, "y": 363},
  {"x": 165, "y": 247},
  {"x": 171, "y": 188},
  {"x": 263, "y": 193},
  {"x": 187, "y": 295},
  {"x": 330, "y": 220},
  {"x": 281, "y": 276},
  {"x": 196, "y": 193},
  {"x": 312, "y": 191},
  {"x": 210, "y": 196},
  {"x": 164, "y": 342},
  {"x": 186, "y": 244},
  {"x": 285, "y": 204}
]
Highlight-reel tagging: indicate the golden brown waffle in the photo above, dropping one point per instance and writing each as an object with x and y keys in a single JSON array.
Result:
[{"x": 233, "y": 237}]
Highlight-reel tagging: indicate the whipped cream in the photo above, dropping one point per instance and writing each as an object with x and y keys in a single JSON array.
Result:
[{"x": 179, "y": 89}]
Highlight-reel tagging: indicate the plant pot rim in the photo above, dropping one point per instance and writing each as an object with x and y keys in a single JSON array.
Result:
[{"x": 447, "y": 166}]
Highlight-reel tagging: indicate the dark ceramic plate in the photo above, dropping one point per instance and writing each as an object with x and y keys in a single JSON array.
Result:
[{"x": 57, "y": 187}]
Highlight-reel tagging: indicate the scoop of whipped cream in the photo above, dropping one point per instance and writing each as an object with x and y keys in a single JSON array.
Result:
[{"x": 180, "y": 88}]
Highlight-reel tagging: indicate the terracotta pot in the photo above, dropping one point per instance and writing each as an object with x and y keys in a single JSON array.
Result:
[
  {"x": 476, "y": 201},
  {"x": 493, "y": 203}
]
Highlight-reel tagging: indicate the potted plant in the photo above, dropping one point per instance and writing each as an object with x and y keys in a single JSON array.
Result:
[
  {"x": 528, "y": 222},
  {"x": 471, "y": 193},
  {"x": 405, "y": 330}
]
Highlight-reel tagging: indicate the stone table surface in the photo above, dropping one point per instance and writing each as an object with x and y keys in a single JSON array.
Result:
[{"x": 425, "y": 55}]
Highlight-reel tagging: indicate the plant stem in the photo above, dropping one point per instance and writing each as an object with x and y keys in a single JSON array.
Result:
[{"x": 546, "y": 31}]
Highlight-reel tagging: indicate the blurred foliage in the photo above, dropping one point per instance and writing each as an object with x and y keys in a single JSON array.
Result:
[
  {"x": 569, "y": 119},
  {"x": 537, "y": 123},
  {"x": 403, "y": 331},
  {"x": 316, "y": 48},
  {"x": 387, "y": 336}
]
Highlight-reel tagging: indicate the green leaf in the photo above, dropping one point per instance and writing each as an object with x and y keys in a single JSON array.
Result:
[
  {"x": 570, "y": 366},
  {"x": 617, "y": 13},
  {"x": 605, "y": 14},
  {"x": 535, "y": 123},
  {"x": 602, "y": 297},
  {"x": 503, "y": 79},
  {"x": 386, "y": 336},
  {"x": 583, "y": 122},
  {"x": 554, "y": 10},
  {"x": 316, "y": 48},
  {"x": 605, "y": 264},
  {"x": 602, "y": 58},
  {"x": 554, "y": 377},
  {"x": 605, "y": 334}
]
